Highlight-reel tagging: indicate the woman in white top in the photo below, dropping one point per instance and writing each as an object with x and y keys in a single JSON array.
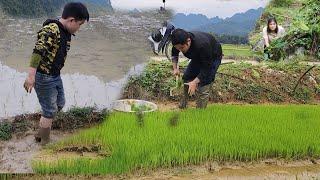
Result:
[{"x": 272, "y": 31}]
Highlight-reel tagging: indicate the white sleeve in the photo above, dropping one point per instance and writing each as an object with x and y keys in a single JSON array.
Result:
[
  {"x": 281, "y": 31},
  {"x": 264, "y": 32}
]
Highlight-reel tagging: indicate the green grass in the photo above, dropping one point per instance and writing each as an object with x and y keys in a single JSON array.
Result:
[
  {"x": 218, "y": 133},
  {"x": 237, "y": 51}
]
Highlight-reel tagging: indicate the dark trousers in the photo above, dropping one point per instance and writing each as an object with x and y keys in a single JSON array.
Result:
[
  {"x": 266, "y": 53},
  {"x": 202, "y": 93}
]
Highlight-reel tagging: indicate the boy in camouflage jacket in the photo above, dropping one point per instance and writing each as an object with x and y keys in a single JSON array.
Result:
[{"x": 47, "y": 60}]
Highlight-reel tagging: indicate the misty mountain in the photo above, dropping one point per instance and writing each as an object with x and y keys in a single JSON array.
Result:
[{"x": 239, "y": 24}]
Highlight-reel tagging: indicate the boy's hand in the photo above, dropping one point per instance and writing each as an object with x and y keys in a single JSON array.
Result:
[{"x": 29, "y": 82}]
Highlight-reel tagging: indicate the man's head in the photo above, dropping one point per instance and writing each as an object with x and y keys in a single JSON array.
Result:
[
  {"x": 74, "y": 15},
  {"x": 181, "y": 40}
]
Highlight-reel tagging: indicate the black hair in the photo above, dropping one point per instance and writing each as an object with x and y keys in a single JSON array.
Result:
[
  {"x": 76, "y": 10},
  {"x": 179, "y": 36},
  {"x": 270, "y": 20}
]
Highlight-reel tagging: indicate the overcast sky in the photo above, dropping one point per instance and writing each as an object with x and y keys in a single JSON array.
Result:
[{"x": 210, "y": 8}]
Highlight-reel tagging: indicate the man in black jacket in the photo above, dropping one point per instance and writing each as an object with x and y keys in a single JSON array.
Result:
[{"x": 205, "y": 54}]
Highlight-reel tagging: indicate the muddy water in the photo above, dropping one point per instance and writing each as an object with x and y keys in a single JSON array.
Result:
[
  {"x": 106, "y": 47},
  {"x": 80, "y": 90},
  {"x": 102, "y": 54}
]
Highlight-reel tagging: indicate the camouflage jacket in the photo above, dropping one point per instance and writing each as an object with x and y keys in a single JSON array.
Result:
[{"x": 52, "y": 45}]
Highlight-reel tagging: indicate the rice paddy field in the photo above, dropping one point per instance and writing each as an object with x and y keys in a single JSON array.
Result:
[
  {"x": 126, "y": 143},
  {"x": 237, "y": 51}
]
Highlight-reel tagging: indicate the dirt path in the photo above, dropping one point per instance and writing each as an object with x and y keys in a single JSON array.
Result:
[
  {"x": 267, "y": 169},
  {"x": 16, "y": 154},
  {"x": 226, "y": 60},
  {"x": 164, "y": 58}
]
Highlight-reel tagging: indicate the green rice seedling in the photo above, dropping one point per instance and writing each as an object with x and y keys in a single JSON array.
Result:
[
  {"x": 140, "y": 120},
  {"x": 237, "y": 51},
  {"x": 218, "y": 133},
  {"x": 140, "y": 107},
  {"x": 173, "y": 121}
]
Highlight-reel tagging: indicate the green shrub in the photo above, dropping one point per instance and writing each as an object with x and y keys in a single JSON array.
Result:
[
  {"x": 5, "y": 131},
  {"x": 281, "y": 3}
]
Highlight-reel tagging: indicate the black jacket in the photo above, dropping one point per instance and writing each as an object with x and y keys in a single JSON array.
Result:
[{"x": 204, "y": 50}]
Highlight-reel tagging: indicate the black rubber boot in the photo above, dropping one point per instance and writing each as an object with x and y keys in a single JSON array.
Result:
[{"x": 43, "y": 136}]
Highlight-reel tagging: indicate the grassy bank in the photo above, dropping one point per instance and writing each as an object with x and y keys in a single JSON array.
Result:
[
  {"x": 219, "y": 133},
  {"x": 74, "y": 118},
  {"x": 238, "y": 82}
]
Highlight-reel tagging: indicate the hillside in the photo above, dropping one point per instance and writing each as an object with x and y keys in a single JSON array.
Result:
[
  {"x": 37, "y": 8},
  {"x": 193, "y": 21},
  {"x": 239, "y": 24}
]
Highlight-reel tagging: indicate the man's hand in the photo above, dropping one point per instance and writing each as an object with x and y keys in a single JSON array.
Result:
[
  {"x": 176, "y": 72},
  {"x": 193, "y": 85},
  {"x": 30, "y": 81}
]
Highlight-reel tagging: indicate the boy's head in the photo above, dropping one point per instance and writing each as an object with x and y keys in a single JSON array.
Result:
[
  {"x": 74, "y": 15},
  {"x": 181, "y": 40}
]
